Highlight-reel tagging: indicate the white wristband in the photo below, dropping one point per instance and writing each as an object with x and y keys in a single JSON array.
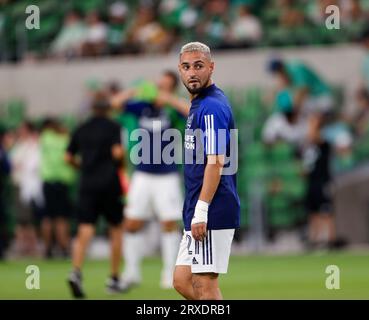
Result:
[{"x": 201, "y": 212}]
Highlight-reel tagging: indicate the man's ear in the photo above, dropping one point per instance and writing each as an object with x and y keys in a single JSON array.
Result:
[{"x": 212, "y": 67}]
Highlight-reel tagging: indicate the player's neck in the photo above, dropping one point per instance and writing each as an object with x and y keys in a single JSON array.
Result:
[{"x": 193, "y": 96}]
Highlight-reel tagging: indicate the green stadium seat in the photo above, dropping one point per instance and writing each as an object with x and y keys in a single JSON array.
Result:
[
  {"x": 18, "y": 8},
  {"x": 49, "y": 27},
  {"x": 287, "y": 169},
  {"x": 280, "y": 152},
  {"x": 294, "y": 188},
  {"x": 49, "y": 6},
  {"x": 89, "y": 5},
  {"x": 257, "y": 171},
  {"x": 278, "y": 36},
  {"x": 254, "y": 152},
  {"x": 279, "y": 213}
]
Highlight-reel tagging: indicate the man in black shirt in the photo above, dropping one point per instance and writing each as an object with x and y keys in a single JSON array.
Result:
[
  {"x": 317, "y": 159},
  {"x": 96, "y": 149}
]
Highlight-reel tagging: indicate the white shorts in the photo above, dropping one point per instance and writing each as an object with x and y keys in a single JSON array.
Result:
[
  {"x": 210, "y": 255},
  {"x": 154, "y": 194}
]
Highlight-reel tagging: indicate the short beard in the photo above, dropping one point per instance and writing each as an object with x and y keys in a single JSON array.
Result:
[{"x": 199, "y": 89}]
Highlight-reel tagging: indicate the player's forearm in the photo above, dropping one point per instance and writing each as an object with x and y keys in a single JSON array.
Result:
[
  {"x": 119, "y": 100},
  {"x": 180, "y": 104},
  {"x": 212, "y": 175}
]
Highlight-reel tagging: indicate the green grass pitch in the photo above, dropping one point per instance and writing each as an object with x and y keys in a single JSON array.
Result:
[{"x": 249, "y": 277}]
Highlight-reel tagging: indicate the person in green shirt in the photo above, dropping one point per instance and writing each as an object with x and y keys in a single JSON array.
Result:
[
  {"x": 312, "y": 92},
  {"x": 57, "y": 177}
]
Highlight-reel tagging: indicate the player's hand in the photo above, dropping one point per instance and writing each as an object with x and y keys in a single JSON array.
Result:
[
  {"x": 200, "y": 220},
  {"x": 198, "y": 231}
]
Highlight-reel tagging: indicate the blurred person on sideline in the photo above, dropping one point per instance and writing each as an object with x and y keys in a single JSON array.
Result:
[
  {"x": 155, "y": 187},
  {"x": 57, "y": 177},
  {"x": 312, "y": 93},
  {"x": 29, "y": 201},
  {"x": 4, "y": 172},
  {"x": 317, "y": 157},
  {"x": 96, "y": 149}
]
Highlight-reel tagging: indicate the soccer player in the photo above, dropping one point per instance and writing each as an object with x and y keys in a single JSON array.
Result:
[
  {"x": 211, "y": 209},
  {"x": 97, "y": 142},
  {"x": 155, "y": 187}
]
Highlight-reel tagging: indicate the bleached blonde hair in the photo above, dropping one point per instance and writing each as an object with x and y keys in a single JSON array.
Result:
[{"x": 196, "y": 47}]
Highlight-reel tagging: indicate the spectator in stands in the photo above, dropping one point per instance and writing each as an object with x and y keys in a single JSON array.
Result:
[
  {"x": 4, "y": 172},
  {"x": 96, "y": 36},
  {"x": 117, "y": 28},
  {"x": 246, "y": 29},
  {"x": 146, "y": 33},
  {"x": 69, "y": 40},
  {"x": 214, "y": 23},
  {"x": 352, "y": 11},
  {"x": 25, "y": 161},
  {"x": 57, "y": 177},
  {"x": 290, "y": 16},
  {"x": 184, "y": 15},
  {"x": 312, "y": 94},
  {"x": 317, "y": 10}
]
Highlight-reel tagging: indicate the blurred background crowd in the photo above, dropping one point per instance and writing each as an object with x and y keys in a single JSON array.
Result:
[
  {"x": 294, "y": 138},
  {"x": 90, "y": 28}
]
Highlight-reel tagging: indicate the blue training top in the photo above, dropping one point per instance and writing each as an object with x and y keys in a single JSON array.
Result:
[
  {"x": 147, "y": 115},
  {"x": 211, "y": 115}
]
